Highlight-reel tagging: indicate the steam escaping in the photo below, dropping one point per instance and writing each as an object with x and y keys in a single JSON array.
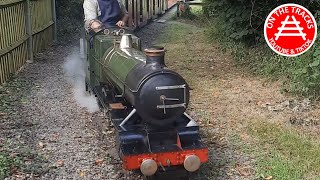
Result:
[{"x": 74, "y": 68}]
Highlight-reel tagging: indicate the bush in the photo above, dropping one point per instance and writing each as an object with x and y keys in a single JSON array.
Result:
[
  {"x": 306, "y": 78},
  {"x": 238, "y": 26},
  {"x": 69, "y": 16},
  {"x": 243, "y": 20}
]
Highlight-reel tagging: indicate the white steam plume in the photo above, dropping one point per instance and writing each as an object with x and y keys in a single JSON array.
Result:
[{"x": 74, "y": 68}]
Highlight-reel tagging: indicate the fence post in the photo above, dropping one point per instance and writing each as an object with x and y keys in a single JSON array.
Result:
[
  {"x": 29, "y": 31},
  {"x": 54, "y": 16}
]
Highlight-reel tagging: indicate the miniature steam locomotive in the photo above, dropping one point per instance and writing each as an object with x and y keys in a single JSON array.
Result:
[{"x": 146, "y": 102}]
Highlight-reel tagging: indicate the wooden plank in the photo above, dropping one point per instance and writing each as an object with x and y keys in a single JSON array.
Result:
[
  {"x": 135, "y": 13},
  {"x": 3, "y": 68},
  {"x": 42, "y": 28},
  {"x": 2, "y": 78},
  {"x": 144, "y": 11},
  {"x": 150, "y": 9},
  {"x": 164, "y": 6},
  {"x": 28, "y": 22},
  {"x": 162, "y": 9},
  {"x": 9, "y": 20},
  {"x": 160, "y": 6},
  {"x": 5, "y": 27},
  {"x": 54, "y": 17},
  {"x": 153, "y": 7},
  {"x": 129, "y": 8},
  {"x": 6, "y": 69},
  {"x": 166, "y": 2},
  {"x": 138, "y": 12},
  {"x": 10, "y": 68},
  {"x": 13, "y": 46},
  {"x": 157, "y": 7},
  {"x": 2, "y": 33}
]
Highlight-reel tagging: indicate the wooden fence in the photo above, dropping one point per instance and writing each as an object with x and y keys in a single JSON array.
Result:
[{"x": 26, "y": 26}]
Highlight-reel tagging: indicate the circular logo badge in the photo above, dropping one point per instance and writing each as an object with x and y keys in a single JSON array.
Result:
[{"x": 290, "y": 30}]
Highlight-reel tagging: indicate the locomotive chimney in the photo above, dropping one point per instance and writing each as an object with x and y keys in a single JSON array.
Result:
[{"x": 155, "y": 55}]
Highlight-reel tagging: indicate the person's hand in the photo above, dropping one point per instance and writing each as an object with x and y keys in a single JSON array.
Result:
[
  {"x": 95, "y": 26},
  {"x": 120, "y": 24}
]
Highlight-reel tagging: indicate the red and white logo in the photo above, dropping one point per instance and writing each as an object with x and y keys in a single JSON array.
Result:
[{"x": 290, "y": 30}]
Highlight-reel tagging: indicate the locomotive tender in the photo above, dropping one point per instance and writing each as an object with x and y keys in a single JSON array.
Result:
[{"x": 146, "y": 103}]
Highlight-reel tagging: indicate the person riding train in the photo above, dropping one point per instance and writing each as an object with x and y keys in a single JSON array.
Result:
[{"x": 107, "y": 13}]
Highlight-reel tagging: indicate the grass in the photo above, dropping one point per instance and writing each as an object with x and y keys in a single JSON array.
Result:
[
  {"x": 284, "y": 153},
  {"x": 7, "y": 164},
  {"x": 177, "y": 33}
]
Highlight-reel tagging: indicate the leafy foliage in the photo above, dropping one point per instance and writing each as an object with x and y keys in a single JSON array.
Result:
[
  {"x": 238, "y": 25},
  {"x": 69, "y": 16},
  {"x": 244, "y": 19},
  {"x": 306, "y": 80},
  {"x": 6, "y": 164}
]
